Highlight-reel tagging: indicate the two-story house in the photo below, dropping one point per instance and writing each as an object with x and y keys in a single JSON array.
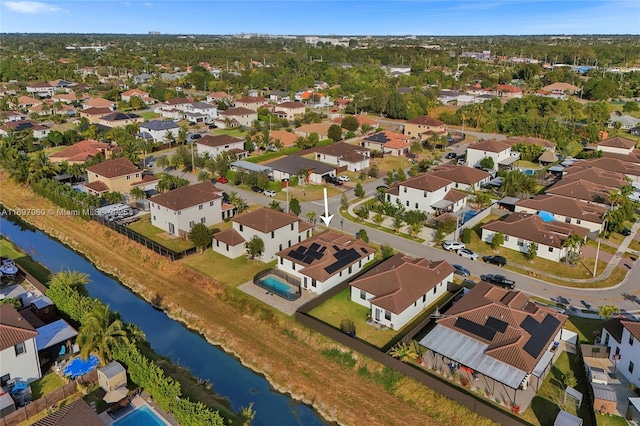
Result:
[
  {"x": 99, "y": 103},
  {"x": 341, "y": 154},
  {"x": 501, "y": 153},
  {"x": 622, "y": 338},
  {"x": 463, "y": 177},
  {"x": 277, "y": 231},
  {"x": 118, "y": 175},
  {"x": 216, "y": 145},
  {"x": 41, "y": 88},
  {"x": 289, "y": 110},
  {"x": 220, "y": 97},
  {"x": 520, "y": 230},
  {"x": 37, "y": 130},
  {"x": 617, "y": 145},
  {"x": 18, "y": 352},
  {"x": 295, "y": 165},
  {"x": 83, "y": 151},
  {"x": 201, "y": 112},
  {"x": 251, "y": 102},
  {"x": 399, "y": 288},
  {"x": 388, "y": 143},
  {"x": 158, "y": 130},
  {"x": 424, "y": 127},
  {"x": 176, "y": 211},
  {"x": 428, "y": 193},
  {"x": 566, "y": 209},
  {"x": 234, "y": 117},
  {"x": 325, "y": 260}
]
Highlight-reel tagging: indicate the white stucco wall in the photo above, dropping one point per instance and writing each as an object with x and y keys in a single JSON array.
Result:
[
  {"x": 629, "y": 353},
  {"x": 591, "y": 226},
  {"x": 25, "y": 366},
  {"x": 282, "y": 238},
  {"x": 214, "y": 151},
  {"x": 161, "y": 216},
  {"x": 511, "y": 242},
  {"x": 474, "y": 156}
]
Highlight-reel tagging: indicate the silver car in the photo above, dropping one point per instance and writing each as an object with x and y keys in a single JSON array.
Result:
[
  {"x": 452, "y": 245},
  {"x": 465, "y": 252}
]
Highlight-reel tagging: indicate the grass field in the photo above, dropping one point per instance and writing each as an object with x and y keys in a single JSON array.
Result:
[
  {"x": 47, "y": 384},
  {"x": 144, "y": 227},
  {"x": 229, "y": 272},
  {"x": 309, "y": 192},
  {"x": 148, "y": 115},
  {"x": 391, "y": 163},
  {"x": 238, "y": 133},
  {"x": 585, "y": 327}
]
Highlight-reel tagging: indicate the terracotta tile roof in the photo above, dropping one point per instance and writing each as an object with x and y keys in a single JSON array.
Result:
[
  {"x": 98, "y": 186},
  {"x": 114, "y": 168},
  {"x": 561, "y": 87},
  {"x": 400, "y": 280},
  {"x": 509, "y": 88},
  {"x": 286, "y": 138},
  {"x": 146, "y": 179},
  {"x": 22, "y": 125},
  {"x": 342, "y": 149},
  {"x": 96, "y": 111},
  {"x": 188, "y": 196},
  {"x": 81, "y": 151},
  {"x": 614, "y": 327},
  {"x": 218, "y": 140},
  {"x": 39, "y": 84},
  {"x": 28, "y": 100},
  {"x": 78, "y": 413},
  {"x": 547, "y": 157},
  {"x": 454, "y": 195},
  {"x": 529, "y": 141},
  {"x": 505, "y": 313},
  {"x": 322, "y": 129},
  {"x": 229, "y": 236},
  {"x": 135, "y": 92},
  {"x": 460, "y": 174},
  {"x": 219, "y": 95},
  {"x": 565, "y": 206},
  {"x": 332, "y": 242},
  {"x": 237, "y": 111},
  {"x": 389, "y": 139},
  {"x": 633, "y": 327},
  {"x": 531, "y": 227},
  {"x": 99, "y": 103},
  {"x": 425, "y": 120},
  {"x": 13, "y": 327},
  {"x": 252, "y": 100},
  {"x": 490, "y": 145},
  {"x": 291, "y": 105},
  {"x": 610, "y": 164},
  {"x": 618, "y": 142},
  {"x": 266, "y": 220},
  {"x": 426, "y": 182},
  {"x": 177, "y": 101},
  {"x": 634, "y": 157},
  {"x": 595, "y": 175},
  {"x": 582, "y": 190}
]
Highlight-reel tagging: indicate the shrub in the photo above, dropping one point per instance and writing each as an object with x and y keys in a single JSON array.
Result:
[
  {"x": 465, "y": 237},
  {"x": 343, "y": 359},
  {"x": 497, "y": 240},
  {"x": 362, "y": 234}
]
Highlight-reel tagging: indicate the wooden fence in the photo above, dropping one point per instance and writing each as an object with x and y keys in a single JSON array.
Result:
[{"x": 47, "y": 401}]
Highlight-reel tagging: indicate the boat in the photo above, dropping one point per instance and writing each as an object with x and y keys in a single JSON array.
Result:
[{"x": 8, "y": 267}]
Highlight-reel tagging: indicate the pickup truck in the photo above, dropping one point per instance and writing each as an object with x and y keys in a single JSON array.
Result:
[{"x": 499, "y": 280}]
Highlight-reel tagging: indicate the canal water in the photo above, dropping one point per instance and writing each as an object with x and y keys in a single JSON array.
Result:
[{"x": 169, "y": 338}]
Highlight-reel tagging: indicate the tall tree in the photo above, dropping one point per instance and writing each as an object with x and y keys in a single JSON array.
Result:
[
  {"x": 396, "y": 107},
  {"x": 101, "y": 331},
  {"x": 255, "y": 247},
  {"x": 335, "y": 132},
  {"x": 200, "y": 236}
]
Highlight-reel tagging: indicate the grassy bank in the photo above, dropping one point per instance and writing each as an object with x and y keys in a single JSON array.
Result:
[{"x": 265, "y": 340}]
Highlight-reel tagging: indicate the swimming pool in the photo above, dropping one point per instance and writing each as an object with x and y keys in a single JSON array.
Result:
[
  {"x": 79, "y": 367},
  {"x": 142, "y": 416},
  {"x": 529, "y": 172},
  {"x": 273, "y": 284}
]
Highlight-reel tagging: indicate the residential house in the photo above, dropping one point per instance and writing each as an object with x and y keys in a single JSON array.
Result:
[
  {"x": 528, "y": 140},
  {"x": 142, "y": 78},
  {"x": 99, "y": 103},
  {"x": 322, "y": 129},
  {"x": 316, "y": 99},
  {"x": 120, "y": 119},
  {"x": 397, "y": 70},
  {"x": 400, "y": 288},
  {"x": 340, "y": 104},
  {"x": 216, "y": 145},
  {"x": 582, "y": 190},
  {"x": 520, "y": 230},
  {"x": 565, "y": 209},
  {"x": 388, "y": 143},
  {"x": 38, "y": 130},
  {"x": 595, "y": 175},
  {"x": 424, "y": 127},
  {"x": 622, "y": 338},
  {"x": 617, "y": 145},
  {"x": 290, "y": 110},
  {"x": 629, "y": 169},
  {"x": 119, "y": 175},
  {"x": 341, "y": 154},
  {"x": 95, "y": 114},
  {"x": 140, "y": 94},
  {"x": 428, "y": 193},
  {"x": 463, "y": 177},
  {"x": 176, "y": 211},
  {"x": 179, "y": 103},
  {"x": 278, "y": 96},
  {"x": 169, "y": 113},
  {"x": 251, "y": 102},
  {"x": 234, "y": 117},
  {"x": 77, "y": 413},
  {"x": 508, "y": 91},
  {"x": 501, "y": 153},
  {"x": 635, "y": 131},
  {"x": 626, "y": 121},
  {"x": 287, "y": 139},
  {"x": 499, "y": 334},
  {"x": 18, "y": 352},
  {"x": 325, "y": 260},
  {"x": 220, "y": 97},
  {"x": 83, "y": 151},
  {"x": 294, "y": 165},
  {"x": 14, "y": 116},
  {"x": 41, "y": 88},
  {"x": 277, "y": 230},
  {"x": 158, "y": 130},
  {"x": 561, "y": 88},
  {"x": 27, "y": 101},
  {"x": 201, "y": 112}
]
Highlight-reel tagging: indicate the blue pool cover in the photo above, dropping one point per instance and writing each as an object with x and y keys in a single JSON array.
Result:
[{"x": 79, "y": 367}]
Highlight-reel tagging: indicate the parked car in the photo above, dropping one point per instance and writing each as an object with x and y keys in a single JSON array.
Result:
[
  {"x": 450, "y": 155},
  {"x": 452, "y": 245},
  {"x": 270, "y": 193},
  {"x": 256, "y": 188},
  {"x": 223, "y": 179},
  {"x": 461, "y": 270},
  {"x": 465, "y": 252},
  {"x": 626, "y": 232},
  {"x": 212, "y": 126},
  {"x": 495, "y": 260},
  {"x": 499, "y": 280},
  {"x": 460, "y": 161},
  {"x": 343, "y": 178},
  {"x": 333, "y": 180},
  {"x": 195, "y": 136}
]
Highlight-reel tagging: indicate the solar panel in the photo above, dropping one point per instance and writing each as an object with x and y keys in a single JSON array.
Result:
[
  {"x": 475, "y": 329},
  {"x": 332, "y": 268},
  {"x": 296, "y": 255},
  {"x": 322, "y": 249},
  {"x": 315, "y": 254},
  {"x": 351, "y": 256},
  {"x": 340, "y": 254},
  {"x": 307, "y": 260},
  {"x": 540, "y": 338},
  {"x": 301, "y": 249},
  {"x": 530, "y": 324},
  {"x": 496, "y": 324},
  {"x": 314, "y": 247},
  {"x": 336, "y": 248}
]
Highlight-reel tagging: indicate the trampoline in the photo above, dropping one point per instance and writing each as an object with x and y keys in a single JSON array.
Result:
[{"x": 79, "y": 367}]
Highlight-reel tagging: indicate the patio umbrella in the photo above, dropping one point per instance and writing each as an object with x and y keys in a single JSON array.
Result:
[{"x": 116, "y": 395}]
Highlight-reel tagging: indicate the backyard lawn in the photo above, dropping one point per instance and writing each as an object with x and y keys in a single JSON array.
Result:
[
  {"x": 585, "y": 327},
  {"x": 24, "y": 261},
  {"x": 148, "y": 115},
  {"x": 229, "y": 272},
  {"x": 391, "y": 163},
  {"x": 145, "y": 228},
  {"x": 307, "y": 192},
  {"x": 238, "y": 133},
  {"x": 544, "y": 408},
  {"x": 47, "y": 384}
]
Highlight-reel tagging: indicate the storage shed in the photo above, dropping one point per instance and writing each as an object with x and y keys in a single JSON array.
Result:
[
  {"x": 112, "y": 376},
  {"x": 567, "y": 419},
  {"x": 604, "y": 398}
]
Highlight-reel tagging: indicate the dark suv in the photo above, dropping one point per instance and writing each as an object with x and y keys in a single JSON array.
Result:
[
  {"x": 332, "y": 180},
  {"x": 256, "y": 188},
  {"x": 499, "y": 280},
  {"x": 496, "y": 260}
]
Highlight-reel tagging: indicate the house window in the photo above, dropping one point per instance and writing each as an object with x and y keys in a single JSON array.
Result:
[
  {"x": 154, "y": 217},
  {"x": 137, "y": 175},
  {"x": 299, "y": 238},
  {"x": 578, "y": 221},
  {"x": 281, "y": 261},
  {"x": 292, "y": 226},
  {"x": 241, "y": 228},
  {"x": 434, "y": 290},
  {"x": 387, "y": 315},
  {"x": 340, "y": 273},
  {"x": 631, "y": 367},
  {"x": 404, "y": 189},
  {"x": 416, "y": 205},
  {"x": 313, "y": 282},
  {"x": 210, "y": 203},
  {"x": 550, "y": 249},
  {"x": 128, "y": 177},
  {"x": 200, "y": 207},
  {"x": 20, "y": 348},
  {"x": 425, "y": 194},
  {"x": 191, "y": 224},
  {"x": 363, "y": 295},
  {"x": 506, "y": 238},
  {"x": 203, "y": 220},
  {"x": 606, "y": 339},
  {"x": 630, "y": 340},
  {"x": 424, "y": 298},
  {"x": 350, "y": 268},
  {"x": 567, "y": 219},
  {"x": 360, "y": 263},
  {"x": 273, "y": 234},
  {"x": 520, "y": 242},
  {"x": 280, "y": 247},
  {"x": 293, "y": 266},
  {"x": 407, "y": 203},
  {"x": 289, "y": 243},
  {"x": 217, "y": 243},
  {"x": 227, "y": 247}
]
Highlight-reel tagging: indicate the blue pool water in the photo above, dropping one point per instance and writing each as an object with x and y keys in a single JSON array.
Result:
[
  {"x": 276, "y": 284},
  {"x": 529, "y": 172},
  {"x": 468, "y": 215},
  {"x": 79, "y": 367},
  {"x": 142, "y": 416}
]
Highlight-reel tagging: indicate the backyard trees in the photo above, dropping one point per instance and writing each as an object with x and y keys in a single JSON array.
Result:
[
  {"x": 137, "y": 193},
  {"x": 255, "y": 247},
  {"x": 607, "y": 311},
  {"x": 487, "y": 163},
  {"x": 101, "y": 331},
  {"x": 396, "y": 106},
  {"x": 200, "y": 236},
  {"x": 350, "y": 123}
]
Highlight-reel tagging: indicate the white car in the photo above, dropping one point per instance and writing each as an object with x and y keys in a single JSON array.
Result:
[
  {"x": 343, "y": 178},
  {"x": 465, "y": 252},
  {"x": 452, "y": 245},
  {"x": 270, "y": 193}
]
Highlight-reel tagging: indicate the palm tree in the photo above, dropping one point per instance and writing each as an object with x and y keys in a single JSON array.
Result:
[
  {"x": 40, "y": 167},
  {"x": 101, "y": 331},
  {"x": 204, "y": 176},
  {"x": 163, "y": 161},
  {"x": 137, "y": 193},
  {"x": 415, "y": 229},
  {"x": 74, "y": 279},
  {"x": 378, "y": 218},
  {"x": 182, "y": 135},
  {"x": 398, "y": 221},
  {"x": 365, "y": 128}
]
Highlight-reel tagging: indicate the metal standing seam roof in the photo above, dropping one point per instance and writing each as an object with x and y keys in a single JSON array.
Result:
[
  {"x": 54, "y": 333},
  {"x": 112, "y": 369},
  {"x": 471, "y": 353},
  {"x": 252, "y": 167},
  {"x": 605, "y": 392},
  {"x": 567, "y": 419}
]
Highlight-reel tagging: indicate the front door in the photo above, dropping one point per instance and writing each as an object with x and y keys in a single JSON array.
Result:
[
  {"x": 377, "y": 317},
  {"x": 172, "y": 229},
  {"x": 305, "y": 282}
]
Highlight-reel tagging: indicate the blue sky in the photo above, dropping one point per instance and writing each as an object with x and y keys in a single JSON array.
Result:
[{"x": 372, "y": 17}]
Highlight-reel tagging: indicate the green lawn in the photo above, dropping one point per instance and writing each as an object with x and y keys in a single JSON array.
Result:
[
  {"x": 603, "y": 246},
  {"x": 47, "y": 384},
  {"x": 144, "y": 227},
  {"x": 230, "y": 272},
  {"x": 634, "y": 245},
  {"x": 307, "y": 192},
  {"x": 528, "y": 165},
  {"x": 604, "y": 420},
  {"x": 238, "y": 133},
  {"x": 24, "y": 261},
  {"x": 390, "y": 163},
  {"x": 585, "y": 327},
  {"x": 544, "y": 407},
  {"x": 148, "y": 115}
]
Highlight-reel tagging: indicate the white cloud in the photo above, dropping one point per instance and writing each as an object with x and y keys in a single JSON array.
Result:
[{"x": 31, "y": 7}]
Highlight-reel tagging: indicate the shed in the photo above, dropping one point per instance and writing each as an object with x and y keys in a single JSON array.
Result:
[
  {"x": 6, "y": 404},
  {"x": 597, "y": 374},
  {"x": 604, "y": 398},
  {"x": 567, "y": 419},
  {"x": 112, "y": 376}
]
